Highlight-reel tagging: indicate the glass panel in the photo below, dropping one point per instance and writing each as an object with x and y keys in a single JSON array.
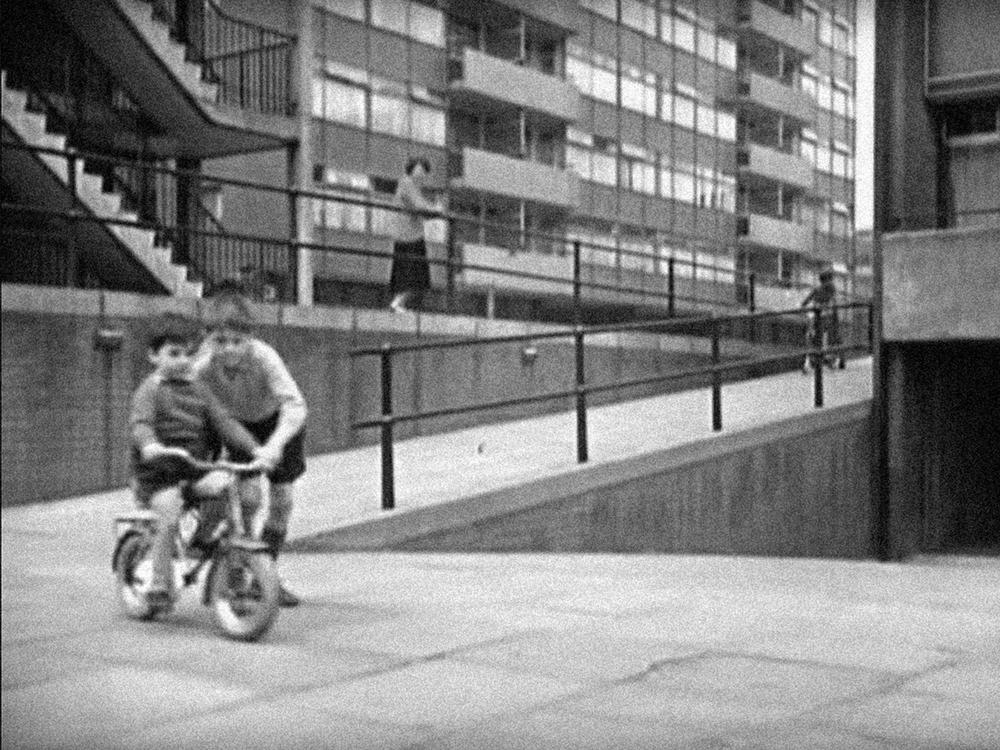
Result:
[
  {"x": 684, "y": 34},
  {"x": 706, "y": 120},
  {"x": 428, "y": 125},
  {"x": 727, "y": 53},
  {"x": 605, "y": 85},
  {"x": 684, "y": 187},
  {"x": 351, "y": 8},
  {"x": 389, "y": 115},
  {"x": 389, "y": 14},
  {"x": 684, "y": 111},
  {"x": 727, "y": 126},
  {"x": 666, "y": 182},
  {"x": 706, "y": 45},
  {"x": 427, "y": 24},
  {"x": 344, "y": 103}
]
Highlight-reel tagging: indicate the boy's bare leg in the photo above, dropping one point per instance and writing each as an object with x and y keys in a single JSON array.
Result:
[
  {"x": 168, "y": 504},
  {"x": 276, "y": 529}
]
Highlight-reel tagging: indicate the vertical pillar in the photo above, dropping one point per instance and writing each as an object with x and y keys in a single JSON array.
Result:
[
  {"x": 300, "y": 157},
  {"x": 187, "y": 209}
]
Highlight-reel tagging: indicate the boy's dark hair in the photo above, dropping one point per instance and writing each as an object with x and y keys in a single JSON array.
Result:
[
  {"x": 421, "y": 161},
  {"x": 173, "y": 328},
  {"x": 230, "y": 309}
]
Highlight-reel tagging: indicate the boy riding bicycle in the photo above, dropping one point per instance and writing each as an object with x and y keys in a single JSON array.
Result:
[
  {"x": 824, "y": 299},
  {"x": 172, "y": 417}
]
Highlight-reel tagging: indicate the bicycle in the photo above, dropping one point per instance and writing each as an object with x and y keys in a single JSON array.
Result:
[
  {"x": 241, "y": 585},
  {"x": 830, "y": 336}
]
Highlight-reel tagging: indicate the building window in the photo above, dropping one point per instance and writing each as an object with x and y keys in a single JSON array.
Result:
[
  {"x": 640, "y": 15},
  {"x": 727, "y": 126},
  {"x": 684, "y": 34},
  {"x": 350, "y": 8},
  {"x": 684, "y": 111},
  {"x": 416, "y": 20},
  {"x": 606, "y": 8},
  {"x": 343, "y": 94},
  {"x": 727, "y": 53},
  {"x": 706, "y": 120},
  {"x": 337, "y": 101}
]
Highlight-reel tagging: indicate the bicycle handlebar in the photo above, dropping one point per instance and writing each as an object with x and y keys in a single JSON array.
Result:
[{"x": 199, "y": 464}]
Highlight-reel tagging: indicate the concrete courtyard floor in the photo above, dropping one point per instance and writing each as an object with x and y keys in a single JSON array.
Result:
[
  {"x": 423, "y": 651},
  {"x": 428, "y": 651}
]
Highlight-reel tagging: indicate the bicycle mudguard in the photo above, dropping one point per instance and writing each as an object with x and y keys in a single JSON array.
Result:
[
  {"x": 118, "y": 547},
  {"x": 249, "y": 545}
]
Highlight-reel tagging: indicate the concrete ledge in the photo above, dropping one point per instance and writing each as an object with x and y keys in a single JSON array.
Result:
[
  {"x": 59, "y": 300},
  {"x": 400, "y": 529}
]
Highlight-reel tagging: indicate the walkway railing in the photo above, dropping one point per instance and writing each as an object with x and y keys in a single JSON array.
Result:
[
  {"x": 667, "y": 285},
  {"x": 817, "y": 352}
]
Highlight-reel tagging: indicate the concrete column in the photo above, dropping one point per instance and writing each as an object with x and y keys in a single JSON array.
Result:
[{"x": 300, "y": 157}]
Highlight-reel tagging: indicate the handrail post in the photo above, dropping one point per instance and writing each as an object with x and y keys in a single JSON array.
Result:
[
  {"x": 388, "y": 476},
  {"x": 581, "y": 399},
  {"x": 576, "y": 282},
  {"x": 450, "y": 264},
  {"x": 72, "y": 251},
  {"x": 871, "y": 327},
  {"x": 819, "y": 358},
  {"x": 671, "y": 307},
  {"x": 716, "y": 381}
]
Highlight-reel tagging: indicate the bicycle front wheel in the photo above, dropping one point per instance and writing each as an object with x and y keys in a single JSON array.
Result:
[{"x": 244, "y": 594}]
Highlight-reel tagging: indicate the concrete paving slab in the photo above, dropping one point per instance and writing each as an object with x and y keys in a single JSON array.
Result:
[
  {"x": 92, "y": 709},
  {"x": 280, "y": 724},
  {"x": 438, "y": 693}
]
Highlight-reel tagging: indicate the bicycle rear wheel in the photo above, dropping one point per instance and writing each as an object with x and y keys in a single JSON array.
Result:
[{"x": 133, "y": 575}]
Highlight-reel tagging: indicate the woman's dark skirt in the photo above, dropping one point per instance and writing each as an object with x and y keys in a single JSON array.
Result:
[{"x": 410, "y": 272}]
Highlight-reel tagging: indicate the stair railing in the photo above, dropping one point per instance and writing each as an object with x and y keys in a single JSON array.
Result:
[{"x": 251, "y": 64}]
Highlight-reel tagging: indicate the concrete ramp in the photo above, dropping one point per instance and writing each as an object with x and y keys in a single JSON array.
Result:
[{"x": 781, "y": 478}]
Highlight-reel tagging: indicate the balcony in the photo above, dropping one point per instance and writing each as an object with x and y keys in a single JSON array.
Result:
[
  {"x": 559, "y": 13},
  {"x": 941, "y": 284},
  {"x": 777, "y": 166},
  {"x": 497, "y": 174},
  {"x": 767, "y": 231},
  {"x": 487, "y": 80},
  {"x": 771, "y": 94},
  {"x": 772, "y": 24}
]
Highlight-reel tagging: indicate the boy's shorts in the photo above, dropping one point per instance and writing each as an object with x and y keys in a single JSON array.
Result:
[{"x": 292, "y": 463}]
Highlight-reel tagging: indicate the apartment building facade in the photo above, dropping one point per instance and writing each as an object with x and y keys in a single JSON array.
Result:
[
  {"x": 714, "y": 132},
  {"x": 707, "y": 139}
]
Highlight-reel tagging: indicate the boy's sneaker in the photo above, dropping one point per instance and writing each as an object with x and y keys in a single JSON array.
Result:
[{"x": 286, "y": 598}]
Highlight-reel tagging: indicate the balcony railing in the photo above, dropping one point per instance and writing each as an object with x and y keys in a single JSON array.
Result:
[
  {"x": 768, "y": 231},
  {"x": 521, "y": 179},
  {"x": 484, "y": 77},
  {"x": 772, "y": 94},
  {"x": 771, "y": 23},
  {"x": 775, "y": 165}
]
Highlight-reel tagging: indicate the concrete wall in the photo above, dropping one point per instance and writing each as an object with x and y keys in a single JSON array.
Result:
[
  {"x": 798, "y": 488},
  {"x": 65, "y": 401},
  {"x": 941, "y": 285}
]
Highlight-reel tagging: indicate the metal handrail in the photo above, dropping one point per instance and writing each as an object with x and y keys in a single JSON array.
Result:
[
  {"x": 816, "y": 353},
  {"x": 739, "y": 277}
]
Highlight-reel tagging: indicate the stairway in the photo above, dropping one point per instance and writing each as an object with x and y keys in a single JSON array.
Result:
[
  {"x": 118, "y": 242},
  {"x": 156, "y": 34}
]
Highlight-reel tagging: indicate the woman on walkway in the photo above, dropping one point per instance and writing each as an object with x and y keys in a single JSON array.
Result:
[{"x": 410, "y": 276}]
